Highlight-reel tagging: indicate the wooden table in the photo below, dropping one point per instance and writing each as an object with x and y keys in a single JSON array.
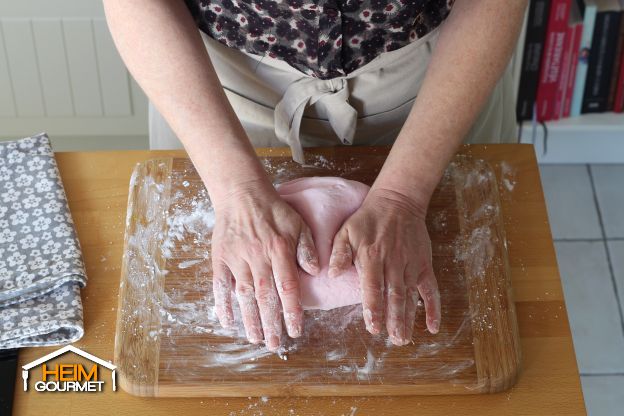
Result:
[{"x": 97, "y": 187}]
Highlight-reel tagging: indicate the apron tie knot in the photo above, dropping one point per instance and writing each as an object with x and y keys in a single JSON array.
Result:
[{"x": 332, "y": 94}]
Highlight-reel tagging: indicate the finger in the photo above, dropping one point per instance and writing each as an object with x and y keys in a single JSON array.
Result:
[
  {"x": 222, "y": 290},
  {"x": 395, "y": 303},
  {"x": 342, "y": 256},
  {"x": 428, "y": 289},
  {"x": 411, "y": 299},
  {"x": 370, "y": 270},
  {"x": 287, "y": 281},
  {"x": 307, "y": 256},
  {"x": 245, "y": 295},
  {"x": 268, "y": 304},
  {"x": 411, "y": 303}
]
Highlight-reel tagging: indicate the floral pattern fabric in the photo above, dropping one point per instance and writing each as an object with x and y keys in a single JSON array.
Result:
[
  {"x": 325, "y": 38},
  {"x": 41, "y": 266}
]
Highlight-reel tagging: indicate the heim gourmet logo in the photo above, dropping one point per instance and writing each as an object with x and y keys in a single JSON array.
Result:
[{"x": 69, "y": 377}]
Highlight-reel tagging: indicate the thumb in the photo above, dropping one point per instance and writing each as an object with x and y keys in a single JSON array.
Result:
[
  {"x": 342, "y": 255},
  {"x": 307, "y": 256}
]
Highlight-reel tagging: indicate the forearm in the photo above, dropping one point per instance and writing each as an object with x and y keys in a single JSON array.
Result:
[
  {"x": 161, "y": 46},
  {"x": 473, "y": 49}
]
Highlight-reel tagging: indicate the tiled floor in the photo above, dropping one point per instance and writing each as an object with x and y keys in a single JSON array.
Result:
[{"x": 586, "y": 212}]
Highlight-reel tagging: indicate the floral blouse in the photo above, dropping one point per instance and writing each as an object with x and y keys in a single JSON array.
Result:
[{"x": 324, "y": 38}]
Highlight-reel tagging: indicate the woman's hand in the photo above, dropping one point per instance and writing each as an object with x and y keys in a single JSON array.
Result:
[
  {"x": 387, "y": 240},
  {"x": 257, "y": 242}
]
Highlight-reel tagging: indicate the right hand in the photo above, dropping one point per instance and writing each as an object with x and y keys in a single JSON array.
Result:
[{"x": 257, "y": 241}]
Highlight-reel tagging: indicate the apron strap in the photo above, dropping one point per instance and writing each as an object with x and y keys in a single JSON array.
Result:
[{"x": 331, "y": 94}]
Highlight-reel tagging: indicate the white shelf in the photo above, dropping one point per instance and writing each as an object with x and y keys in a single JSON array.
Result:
[{"x": 589, "y": 138}]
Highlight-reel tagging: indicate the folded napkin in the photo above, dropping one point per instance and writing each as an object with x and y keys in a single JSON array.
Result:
[{"x": 41, "y": 267}]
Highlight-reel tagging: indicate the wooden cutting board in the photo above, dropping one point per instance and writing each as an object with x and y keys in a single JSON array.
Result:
[{"x": 168, "y": 341}]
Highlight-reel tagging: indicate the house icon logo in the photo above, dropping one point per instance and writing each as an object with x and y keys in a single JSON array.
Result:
[{"x": 69, "y": 377}]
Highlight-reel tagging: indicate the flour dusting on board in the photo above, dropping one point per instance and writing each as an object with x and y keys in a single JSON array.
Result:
[
  {"x": 508, "y": 176},
  {"x": 476, "y": 248},
  {"x": 175, "y": 239}
]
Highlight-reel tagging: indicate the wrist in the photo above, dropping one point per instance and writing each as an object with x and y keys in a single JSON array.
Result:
[
  {"x": 392, "y": 198},
  {"x": 413, "y": 170},
  {"x": 250, "y": 191},
  {"x": 406, "y": 188},
  {"x": 234, "y": 171}
]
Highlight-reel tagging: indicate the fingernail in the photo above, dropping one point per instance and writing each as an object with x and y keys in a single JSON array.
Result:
[
  {"x": 273, "y": 342},
  {"x": 306, "y": 259},
  {"x": 396, "y": 335},
  {"x": 398, "y": 341},
  {"x": 294, "y": 329},
  {"x": 376, "y": 325},
  {"x": 368, "y": 318},
  {"x": 313, "y": 261},
  {"x": 435, "y": 326},
  {"x": 372, "y": 327},
  {"x": 400, "y": 331},
  {"x": 408, "y": 337},
  {"x": 293, "y": 325},
  {"x": 253, "y": 336}
]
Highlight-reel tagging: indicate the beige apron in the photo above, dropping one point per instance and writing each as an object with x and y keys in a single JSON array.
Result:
[{"x": 279, "y": 105}]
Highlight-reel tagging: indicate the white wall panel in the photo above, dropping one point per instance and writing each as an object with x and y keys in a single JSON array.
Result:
[
  {"x": 7, "y": 103},
  {"x": 23, "y": 67},
  {"x": 83, "y": 66},
  {"x": 53, "y": 68},
  {"x": 113, "y": 74},
  {"x": 60, "y": 73}
]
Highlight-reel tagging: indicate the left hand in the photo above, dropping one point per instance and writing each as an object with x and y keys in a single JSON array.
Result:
[{"x": 387, "y": 240}]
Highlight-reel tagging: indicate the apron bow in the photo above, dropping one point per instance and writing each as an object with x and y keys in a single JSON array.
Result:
[{"x": 332, "y": 94}]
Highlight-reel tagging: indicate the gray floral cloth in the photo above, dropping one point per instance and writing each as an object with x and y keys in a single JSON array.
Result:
[{"x": 41, "y": 267}]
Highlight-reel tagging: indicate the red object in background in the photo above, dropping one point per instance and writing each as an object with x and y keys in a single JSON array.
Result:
[
  {"x": 564, "y": 72},
  {"x": 552, "y": 58}
]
